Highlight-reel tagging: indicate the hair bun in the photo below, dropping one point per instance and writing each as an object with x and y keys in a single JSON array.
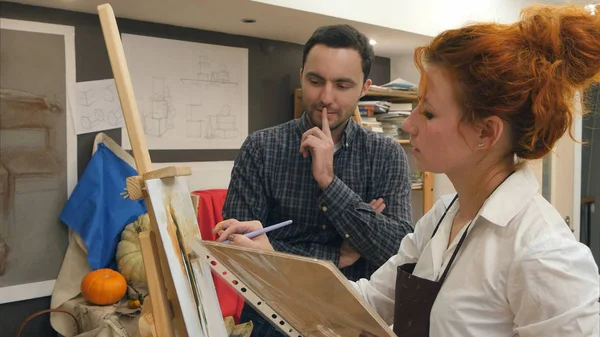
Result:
[
  {"x": 566, "y": 38},
  {"x": 526, "y": 72}
]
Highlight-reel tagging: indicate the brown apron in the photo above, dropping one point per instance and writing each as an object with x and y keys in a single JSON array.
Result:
[{"x": 415, "y": 296}]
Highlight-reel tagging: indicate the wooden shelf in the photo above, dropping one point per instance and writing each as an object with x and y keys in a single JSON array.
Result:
[
  {"x": 588, "y": 200},
  {"x": 395, "y": 95},
  {"x": 403, "y": 141},
  {"x": 417, "y": 187}
]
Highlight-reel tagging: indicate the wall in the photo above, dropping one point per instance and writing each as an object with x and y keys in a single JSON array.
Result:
[
  {"x": 425, "y": 17},
  {"x": 590, "y": 164},
  {"x": 272, "y": 77}
]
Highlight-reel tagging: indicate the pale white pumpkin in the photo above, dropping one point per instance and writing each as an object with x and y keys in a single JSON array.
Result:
[{"x": 129, "y": 254}]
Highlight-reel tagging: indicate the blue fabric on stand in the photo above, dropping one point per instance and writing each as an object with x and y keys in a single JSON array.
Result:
[{"x": 97, "y": 211}]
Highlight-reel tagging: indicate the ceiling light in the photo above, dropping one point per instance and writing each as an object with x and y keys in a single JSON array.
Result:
[
  {"x": 248, "y": 20},
  {"x": 372, "y": 42}
]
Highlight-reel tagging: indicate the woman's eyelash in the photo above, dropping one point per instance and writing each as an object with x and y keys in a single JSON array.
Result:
[{"x": 427, "y": 114}]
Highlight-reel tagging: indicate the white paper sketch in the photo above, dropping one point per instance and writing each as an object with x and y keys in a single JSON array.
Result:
[
  {"x": 96, "y": 105},
  {"x": 159, "y": 118},
  {"x": 189, "y": 95}
]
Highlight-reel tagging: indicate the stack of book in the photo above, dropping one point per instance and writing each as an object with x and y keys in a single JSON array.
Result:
[
  {"x": 397, "y": 84},
  {"x": 372, "y": 108},
  {"x": 385, "y": 117}
]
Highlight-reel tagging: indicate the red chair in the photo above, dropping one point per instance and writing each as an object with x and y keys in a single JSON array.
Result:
[{"x": 210, "y": 206}]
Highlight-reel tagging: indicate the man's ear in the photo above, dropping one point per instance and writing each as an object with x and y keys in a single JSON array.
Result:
[
  {"x": 490, "y": 131},
  {"x": 365, "y": 87}
]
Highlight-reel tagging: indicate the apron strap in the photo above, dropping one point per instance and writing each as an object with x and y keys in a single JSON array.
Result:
[
  {"x": 443, "y": 216},
  {"x": 462, "y": 239}
]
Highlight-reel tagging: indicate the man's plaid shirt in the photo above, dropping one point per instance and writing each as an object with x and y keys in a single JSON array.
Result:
[{"x": 272, "y": 182}]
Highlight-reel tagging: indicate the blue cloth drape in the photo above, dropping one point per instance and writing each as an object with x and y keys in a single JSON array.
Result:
[{"x": 96, "y": 210}]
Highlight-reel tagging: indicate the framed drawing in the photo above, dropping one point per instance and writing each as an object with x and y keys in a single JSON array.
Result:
[{"x": 38, "y": 154}]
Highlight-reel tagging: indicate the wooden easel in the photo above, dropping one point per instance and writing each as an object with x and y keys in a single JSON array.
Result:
[{"x": 171, "y": 273}]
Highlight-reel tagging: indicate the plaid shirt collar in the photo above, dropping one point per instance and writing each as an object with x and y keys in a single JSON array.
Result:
[{"x": 349, "y": 132}]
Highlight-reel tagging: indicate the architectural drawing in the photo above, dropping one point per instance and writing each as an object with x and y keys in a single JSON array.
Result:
[
  {"x": 160, "y": 116},
  {"x": 204, "y": 73},
  {"x": 199, "y": 93},
  {"x": 210, "y": 72},
  {"x": 195, "y": 121},
  {"x": 220, "y": 76},
  {"x": 222, "y": 125},
  {"x": 201, "y": 123},
  {"x": 97, "y": 106}
]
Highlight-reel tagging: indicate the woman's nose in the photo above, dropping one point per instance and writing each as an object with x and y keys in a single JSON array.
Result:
[{"x": 409, "y": 125}]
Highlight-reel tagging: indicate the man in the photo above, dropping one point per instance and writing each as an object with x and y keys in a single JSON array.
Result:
[{"x": 346, "y": 188}]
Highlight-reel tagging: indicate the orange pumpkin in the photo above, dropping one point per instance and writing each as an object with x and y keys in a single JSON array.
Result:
[{"x": 103, "y": 286}]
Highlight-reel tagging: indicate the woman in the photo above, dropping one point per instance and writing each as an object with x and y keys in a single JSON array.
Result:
[{"x": 495, "y": 259}]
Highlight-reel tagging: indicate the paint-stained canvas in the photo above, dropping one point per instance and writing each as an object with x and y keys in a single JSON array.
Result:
[{"x": 35, "y": 159}]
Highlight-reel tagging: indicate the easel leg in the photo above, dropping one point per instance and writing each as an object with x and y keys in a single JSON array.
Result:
[
  {"x": 166, "y": 278},
  {"x": 161, "y": 309}
]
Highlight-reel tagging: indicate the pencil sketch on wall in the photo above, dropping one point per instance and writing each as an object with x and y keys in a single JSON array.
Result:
[
  {"x": 189, "y": 95},
  {"x": 158, "y": 118},
  {"x": 97, "y": 106},
  {"x": 203, "y": 122}
]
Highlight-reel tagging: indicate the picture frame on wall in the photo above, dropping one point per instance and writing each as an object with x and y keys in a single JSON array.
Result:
[{"x": 38, "y": 154}]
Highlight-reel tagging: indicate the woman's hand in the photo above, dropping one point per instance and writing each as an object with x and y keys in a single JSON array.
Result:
[{"x": 233, "y": 231}]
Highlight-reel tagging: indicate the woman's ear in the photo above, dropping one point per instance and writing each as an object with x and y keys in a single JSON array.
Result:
[{"x": 490, "y": 132}]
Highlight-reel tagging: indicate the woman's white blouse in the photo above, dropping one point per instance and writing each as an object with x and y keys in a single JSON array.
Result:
[{"x": 520, "y": 271}]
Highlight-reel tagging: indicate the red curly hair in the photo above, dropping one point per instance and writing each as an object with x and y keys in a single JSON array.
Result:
[{"x": 525, "y": 73}]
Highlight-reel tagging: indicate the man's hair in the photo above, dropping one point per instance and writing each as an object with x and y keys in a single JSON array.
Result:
[{"x": 342, "y": 36}]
